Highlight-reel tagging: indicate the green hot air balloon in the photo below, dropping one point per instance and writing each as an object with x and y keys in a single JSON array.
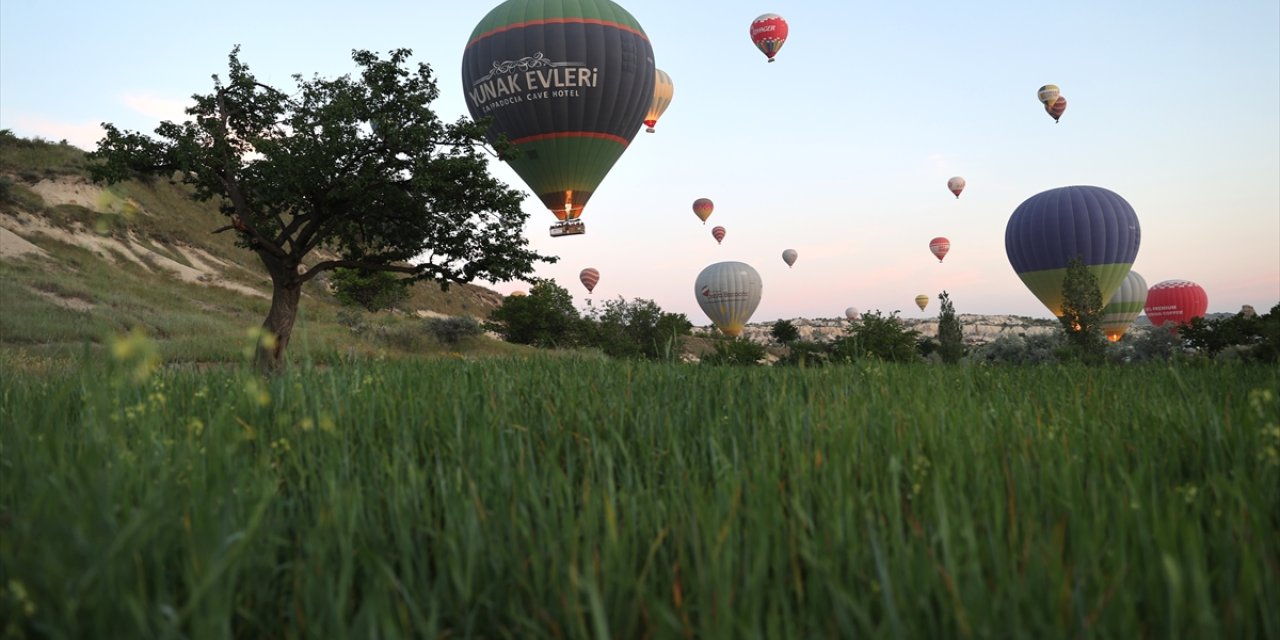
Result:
[
  {"x": 568, "y": 84},
  {"x": 1050, "y": 228}
]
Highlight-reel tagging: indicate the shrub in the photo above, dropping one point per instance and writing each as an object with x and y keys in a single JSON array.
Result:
[
  {"x": 784, "y": 332},
  {"x": 545, "y": 317},
  {"x": 801, "y": 353},
  {"x": 878, "y": 336},
  {"x": 735, "y": 351},
  {"x": 1033, "y": 349},
  {"x": 453, "y": 330},
  {"x": 637, "y": 329}
]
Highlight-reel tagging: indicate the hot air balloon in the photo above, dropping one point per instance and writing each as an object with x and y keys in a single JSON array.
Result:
[
  {"x": 922, "y": 301},
  {"x": 728, "y": 293},
  {"x": 769, "y": 32},
  {"x": 939, "y": 246},
  {"x": 702, "y": 207},
  {"x": 851, "y": 314},
  {"x": 518, "y": 294},
  {"x": 1048, "y": 94},
  {"x": 1175, "y": 302},
  {"x": 718, "y": 234},
  {"x": 1125, "y": 306},
  {"x": 789, "y": 256},
  {"x": 956, "y": 185},
  {"x": 1056, "y": 109},
  {"x": 589, "y": 277},
  {"x": 663, "y": 90},
  {"x": 1050, "y": 228},
  {"x": 568, "y": 84}
]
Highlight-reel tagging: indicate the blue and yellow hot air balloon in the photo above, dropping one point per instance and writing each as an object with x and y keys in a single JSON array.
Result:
[{"x": 1050, "y": 228}]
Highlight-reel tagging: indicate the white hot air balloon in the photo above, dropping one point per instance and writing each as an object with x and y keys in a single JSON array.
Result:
[
  {"x": 1125, "y": 306},
  {"x": 789, "y": 256},
  {"x": 728, "y": 293},
  {"x": 851, "y": 314}
]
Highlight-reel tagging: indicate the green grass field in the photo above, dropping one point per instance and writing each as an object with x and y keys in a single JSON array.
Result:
[{"x": 571, "y": 498}]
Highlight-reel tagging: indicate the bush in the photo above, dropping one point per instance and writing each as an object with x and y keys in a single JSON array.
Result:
[
  {"x": 637, "y": 329},
  {"x": 1033, "y": 349},
  {"x": 878, "y": 336},
  {"x": 784, "y": 332},
  {"x": 735, "y": 351},
  {"x": 802, "y": 353},
  {"x": 453, "y": 330},
  {"x": 545, "y": 317}
]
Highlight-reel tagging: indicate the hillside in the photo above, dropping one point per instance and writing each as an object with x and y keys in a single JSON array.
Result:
[{"x": 80, "y": 261}]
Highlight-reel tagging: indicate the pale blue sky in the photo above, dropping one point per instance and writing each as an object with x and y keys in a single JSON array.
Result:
[{"x": 840, "y": 150}]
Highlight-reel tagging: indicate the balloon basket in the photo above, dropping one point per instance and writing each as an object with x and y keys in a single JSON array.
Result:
[{"x": 568, "y": 228}]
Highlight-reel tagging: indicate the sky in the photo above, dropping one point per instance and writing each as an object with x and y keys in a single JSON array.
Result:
[{"x": 840, "y": 150}]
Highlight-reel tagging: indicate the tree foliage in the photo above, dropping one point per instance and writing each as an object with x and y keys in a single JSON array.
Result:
[
  {"x": 1081, "y": 317},
  {"x": 372, "y": 290},
  {"x": 1252, "y": 337},
  {"x": 878, "y": 336},
  {"x": 784, "y": 332},
  {"x": 360, "y": 167},
  {"x": 950, "y": 334},
  {"x": 637, "y": 329},
  {"x": 737, "y": 351},
  {"x": 545, "y": 317}
]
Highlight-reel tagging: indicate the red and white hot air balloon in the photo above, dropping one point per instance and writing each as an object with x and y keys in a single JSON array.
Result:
[
  {"x": 1057, "y": 108},
  {"x": 1175, "y": 302},
  {"x": 768, "y": 33},
  {"x": 939, "y": 246},
  {"x": 589, "y": 277},
  {"x": 956, "y": 185},
  {"x": 718, "y": 234}
]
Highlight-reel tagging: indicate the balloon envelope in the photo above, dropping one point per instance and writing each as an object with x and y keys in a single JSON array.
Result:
[
  {"x": 768, "y": 33},
  {"x": 568, "y": 84},
  {"x": 728, "y": 292},
  {"x": 1047, "y": 94},
  {"x": 851, "y": 313},
  {"x": 922, "y": 301},
  {"x": 956, "y": 185},
  {"x": 1056, "y": 109},
  {"x": 939, "y": 247},
  {"x": 1125, "y": 306},
  {"x": 589, "y": 277},
  {"x": 1050, "y": 228},
  {"x": 1175, "y": 302},
  {"x": 789, "y": 256},
  {"x": 718, "y": 234},
  {"x": 702, "y": 207},
  {"x": 663, "y": 91}
]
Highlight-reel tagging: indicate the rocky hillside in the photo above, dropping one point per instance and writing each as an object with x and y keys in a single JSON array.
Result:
[{"x": 978, "y": 329}]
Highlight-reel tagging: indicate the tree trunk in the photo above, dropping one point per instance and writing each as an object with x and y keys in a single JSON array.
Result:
[{"x": 278, "y": 327}]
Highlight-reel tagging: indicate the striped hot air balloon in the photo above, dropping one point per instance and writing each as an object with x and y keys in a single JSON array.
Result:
[
  {"x": 1056, "y": 109},
  {"x": 718, "y": 234},
  {"x": 922, "y": 301},
  {"x": 590, "y": 278},
  {"x": 1175, "y": 302},
  {"x": 568, "y": 83},
  {"x": 728, "y": 292},
  {"x": 1050, "y": 228},
  {"x": 663, "y": 91},
  {"x": 1048, "y": 94},
  {"x": 939, "y": 247},
  {"x": 1125, "y": 306}
]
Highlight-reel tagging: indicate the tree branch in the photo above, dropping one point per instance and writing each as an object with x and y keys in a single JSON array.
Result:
[{"x": 328, "y": 265}]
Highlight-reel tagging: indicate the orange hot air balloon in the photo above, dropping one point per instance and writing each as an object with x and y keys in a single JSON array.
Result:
[
  {"x": 940, "y": 246},
  {"x": 589, "y": 277},
  {"x": 956, "y": 185},
  {"x": 718, "y": 234},
  {"x": 1056, "y": 109},
  {"x": 702, "y": 207}
]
